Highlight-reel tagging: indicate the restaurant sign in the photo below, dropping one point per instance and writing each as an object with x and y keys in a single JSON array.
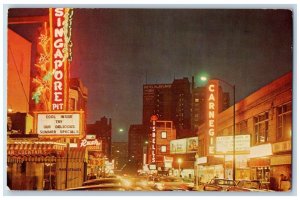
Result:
[
  {"x": 93, "y": 144},
  {"x": 62, "y": 124}
]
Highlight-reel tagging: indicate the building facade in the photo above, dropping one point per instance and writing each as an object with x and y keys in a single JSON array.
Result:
[
  {"x": 136, "y": 144},
  {"x": 103, "y": 130},
  {"x": 263, "y": 138},
  {"x": 170, "y": 102},
  {"x": 119, "y": 151},
  {"x": 159, "y": 146}
]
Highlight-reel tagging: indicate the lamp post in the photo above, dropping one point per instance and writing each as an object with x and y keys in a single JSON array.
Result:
[
  {"x": 179, "y": 162},
  {"x": 203, "y": 78}
]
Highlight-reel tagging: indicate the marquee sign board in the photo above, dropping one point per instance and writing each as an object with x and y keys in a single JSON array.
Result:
[{"x": 58, "y": 124}]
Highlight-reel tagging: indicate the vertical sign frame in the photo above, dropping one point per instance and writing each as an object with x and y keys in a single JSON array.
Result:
[{"x": 212, "y": 110}]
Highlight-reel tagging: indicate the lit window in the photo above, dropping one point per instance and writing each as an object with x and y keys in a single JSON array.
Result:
[
  {"x": 163, "y": 149},
  {"x": 261, "y": 128},
  {"x": 196, "y": 100},
  {"x": 163, "y": 134},
  {"x": 284, "y": 121}
]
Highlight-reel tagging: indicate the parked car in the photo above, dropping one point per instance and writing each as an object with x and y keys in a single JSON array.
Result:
[
  {"x": 218, "y": 184},
  {"x": 250, "y": 186}
]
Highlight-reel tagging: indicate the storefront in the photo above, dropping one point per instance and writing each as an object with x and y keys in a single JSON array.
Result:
[
  {"x": 32, "y": 165},
  {"x": 44, "y": 165},
  {"x": 281, "y": 166},
  {"x": 208, "y": 168},
  {"x": 260, "y": 162}
]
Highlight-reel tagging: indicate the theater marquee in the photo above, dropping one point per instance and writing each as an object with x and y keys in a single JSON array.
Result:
[{"x": 59, "y": 124}]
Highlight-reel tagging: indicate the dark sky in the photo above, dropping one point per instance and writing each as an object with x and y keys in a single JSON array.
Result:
[{"x": 115, "y": 48}]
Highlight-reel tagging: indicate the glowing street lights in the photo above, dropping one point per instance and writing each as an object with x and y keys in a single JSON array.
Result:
[
  {"x": 179, "y": 162},
  {"x": 203, "y": 78}
]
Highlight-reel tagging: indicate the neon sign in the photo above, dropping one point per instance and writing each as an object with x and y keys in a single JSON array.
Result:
[
  {"x": 54, "y": 48},
  {"x": 60, "y": 20},
  {"x": 153, "y": 139},
  {"x": 211, "y": 115}
]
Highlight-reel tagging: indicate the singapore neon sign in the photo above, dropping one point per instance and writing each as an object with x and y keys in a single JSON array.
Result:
[{"x": 61, "y": 20}]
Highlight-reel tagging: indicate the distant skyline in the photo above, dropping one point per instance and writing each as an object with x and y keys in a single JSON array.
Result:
[{"x": 114, "y": 49}]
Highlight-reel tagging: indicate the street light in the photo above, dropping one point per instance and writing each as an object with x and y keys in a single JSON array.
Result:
[
  {"x": 203, "y": 78},
  {"x": 179, "y": 162}
]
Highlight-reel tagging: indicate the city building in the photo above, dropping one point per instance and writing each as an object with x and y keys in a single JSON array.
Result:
[
  {"x": 119, "y": 151},
  {"x": 263, "y": 137},
  {"x": 183, "y": 152},
  {"x": 103, "y": 130},
  {"x": 137, "y": 142},
  {"x": 158, "y": 154},
  {"x": 181, "y": 105},
  {"x": 18, "y": 73},
  {"x": 170, "y": 102},
  {"x": 157, "y": 100}
]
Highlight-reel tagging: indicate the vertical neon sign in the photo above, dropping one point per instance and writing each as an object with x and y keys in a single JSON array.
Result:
[
  {"x": 212, "y": 112},
  {"x": 60, "y": 22},
  {"x": 153, "y": 139}
]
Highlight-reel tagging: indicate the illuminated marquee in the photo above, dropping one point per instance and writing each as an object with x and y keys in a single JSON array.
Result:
[
  {"x": 60, "y": 28},
  {"x": 212, "y": 110},
  {"x": 59, "y": 124}
]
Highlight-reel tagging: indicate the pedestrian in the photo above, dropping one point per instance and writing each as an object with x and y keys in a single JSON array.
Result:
[{"x": 281, "y": 178}]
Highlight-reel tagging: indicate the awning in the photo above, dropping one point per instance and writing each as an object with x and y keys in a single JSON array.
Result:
[{"x": 20, "y": 159}]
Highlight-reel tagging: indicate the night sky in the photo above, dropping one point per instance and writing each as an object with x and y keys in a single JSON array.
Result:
[{"x": 114, "y": 49}]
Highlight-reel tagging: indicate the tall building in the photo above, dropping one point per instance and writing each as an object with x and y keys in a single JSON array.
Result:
[
  {"x": 181, "y": 106},
  {"x": 136, "y": 141},
  {"x": 169, "y": 102},
  {"x": 119, "y": 151},
  {"x": 103, "y": 130},
  {"x": 157, "y": 99}
]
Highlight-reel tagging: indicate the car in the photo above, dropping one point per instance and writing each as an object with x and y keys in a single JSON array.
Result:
[
  {"x": 250, "y": 186},
  {"x": 169, "y": 183},
  {"x": 102, "y": 181},
  {"x": 219, "y": 184},
  {"x": 138, "y": 183},
  {"x": 101, "y": 187}
]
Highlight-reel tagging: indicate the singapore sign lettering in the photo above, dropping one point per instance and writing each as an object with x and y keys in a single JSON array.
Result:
[{"x": 61, "y": 22}]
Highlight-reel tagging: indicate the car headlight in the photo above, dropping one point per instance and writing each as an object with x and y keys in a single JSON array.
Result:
[
  {"x": 127, "y": 183},
  {"x": 160, "y": 186}
]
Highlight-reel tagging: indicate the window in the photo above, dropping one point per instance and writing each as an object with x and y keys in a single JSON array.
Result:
[
  {"x": 241, "y": 127},
  {"x": 284, "y": 121},
  {"x": 196, "y": 100},
  {"x": 164, "y": 134},
  {"x": 261, "y": 128},
  {"x": 163, "y": 149}
]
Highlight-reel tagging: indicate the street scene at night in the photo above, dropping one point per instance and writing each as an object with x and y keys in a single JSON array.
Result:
[{"x": 117, "y": 99}]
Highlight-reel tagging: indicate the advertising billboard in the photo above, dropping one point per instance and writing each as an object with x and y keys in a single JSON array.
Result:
[
  {"x": 192, "y": 144},
  {"x": 178, "y": 146},
  {"x": 58, "y": 124},
  {"x": 224, "y": 144}
]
